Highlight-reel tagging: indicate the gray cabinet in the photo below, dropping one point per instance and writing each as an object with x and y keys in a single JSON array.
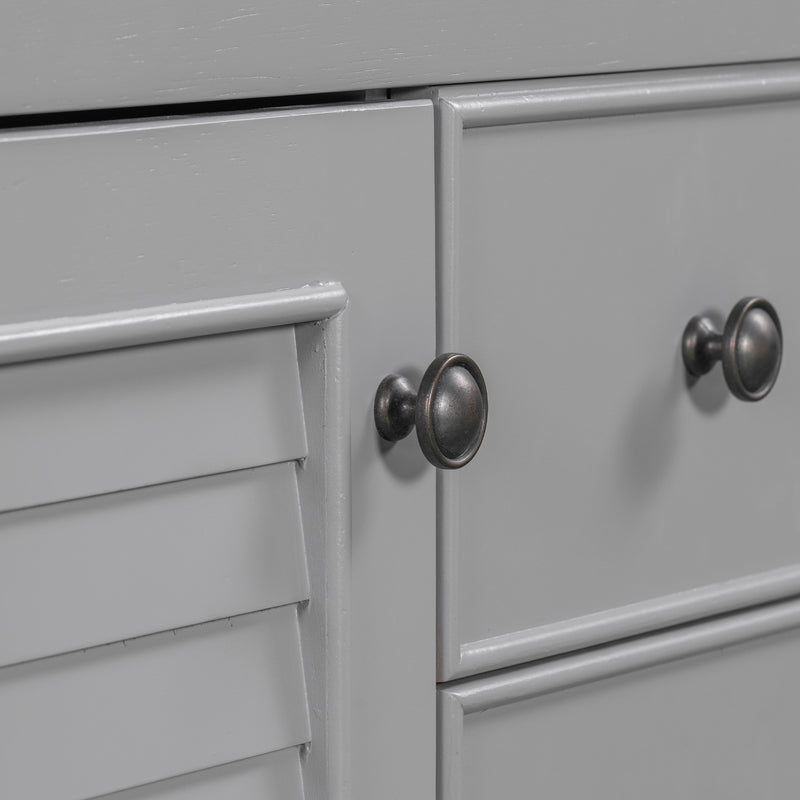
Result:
[{"x": 216, "y": 580}]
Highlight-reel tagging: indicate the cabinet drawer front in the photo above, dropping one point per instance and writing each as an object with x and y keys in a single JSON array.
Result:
[
  {"x": 120, "y": 419},
  {"x": 138, "y": 562},
  {"x": 716, "y": 723},
  {"x": 272, "y": 777},
  {"x": 583, "y": 224},
  {"x": 122, "y": 715}
]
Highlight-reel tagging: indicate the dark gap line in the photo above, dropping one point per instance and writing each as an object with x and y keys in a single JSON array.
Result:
[{"x": 52, "y": 118}]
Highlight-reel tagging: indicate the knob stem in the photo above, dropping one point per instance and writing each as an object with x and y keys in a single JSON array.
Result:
[
  {"x": 702, "y": 346},
  {"x": 712, "y": 348}
]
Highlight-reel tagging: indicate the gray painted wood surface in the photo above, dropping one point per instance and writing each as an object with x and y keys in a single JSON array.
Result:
[
  {"x": 118, "y": 716},
  {"x": 92, "y": 54},
  {"x": 120, "y": 419},
  {"x": 69, "y": 336},
  {"x": 142, "y": 215},
  {"x": 630, "y": 721},
  {"x": 143, "y": 561},
  {"x": 324, "y": 483},
  {"x": 275, "y": 776},
  {"x": 572, "y": 254}
]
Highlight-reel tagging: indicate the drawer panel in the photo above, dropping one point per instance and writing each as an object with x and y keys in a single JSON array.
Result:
[
  {"x": 720, "y": 724},
  {"x": 583, "y": 224},
  {"x": 101, "y": 422},
  {"x": 272, "y": 777},
  {"x": 128, "y": 564},
  {"x": 122, "y": 715}
]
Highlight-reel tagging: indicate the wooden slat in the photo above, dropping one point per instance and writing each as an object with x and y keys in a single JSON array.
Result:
[
  {"x": 114, "y": 717},
  {"x": 91, "y": 424},
  {"x": 272, "y": 777},
  {"x": 117, "y": 566}
]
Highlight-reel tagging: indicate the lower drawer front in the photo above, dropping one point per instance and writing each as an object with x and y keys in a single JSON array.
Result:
[
  {"x": 724, "y": 723},
  {"x": 115, "y": 717}
]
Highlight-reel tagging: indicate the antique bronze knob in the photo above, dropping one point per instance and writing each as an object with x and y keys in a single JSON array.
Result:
[
  {"x": 449, "y": 410},
  {"x": 750, "y": 348}
]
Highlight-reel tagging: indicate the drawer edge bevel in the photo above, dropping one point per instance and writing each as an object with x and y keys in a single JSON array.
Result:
[
  {"x": 536, "y": 680},
  {"x": 544, "y": 641},
  {"x": 521, "y": 102}
]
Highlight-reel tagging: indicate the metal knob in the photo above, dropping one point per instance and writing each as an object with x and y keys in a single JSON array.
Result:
[
  {"x": 750, "y": 348},
  {"x": 449, "y": 410}
]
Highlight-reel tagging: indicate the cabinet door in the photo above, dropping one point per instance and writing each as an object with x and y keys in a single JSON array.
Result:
[
  {"x": 123, "y": 228},
  {"x": 583, "y": 222}
]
